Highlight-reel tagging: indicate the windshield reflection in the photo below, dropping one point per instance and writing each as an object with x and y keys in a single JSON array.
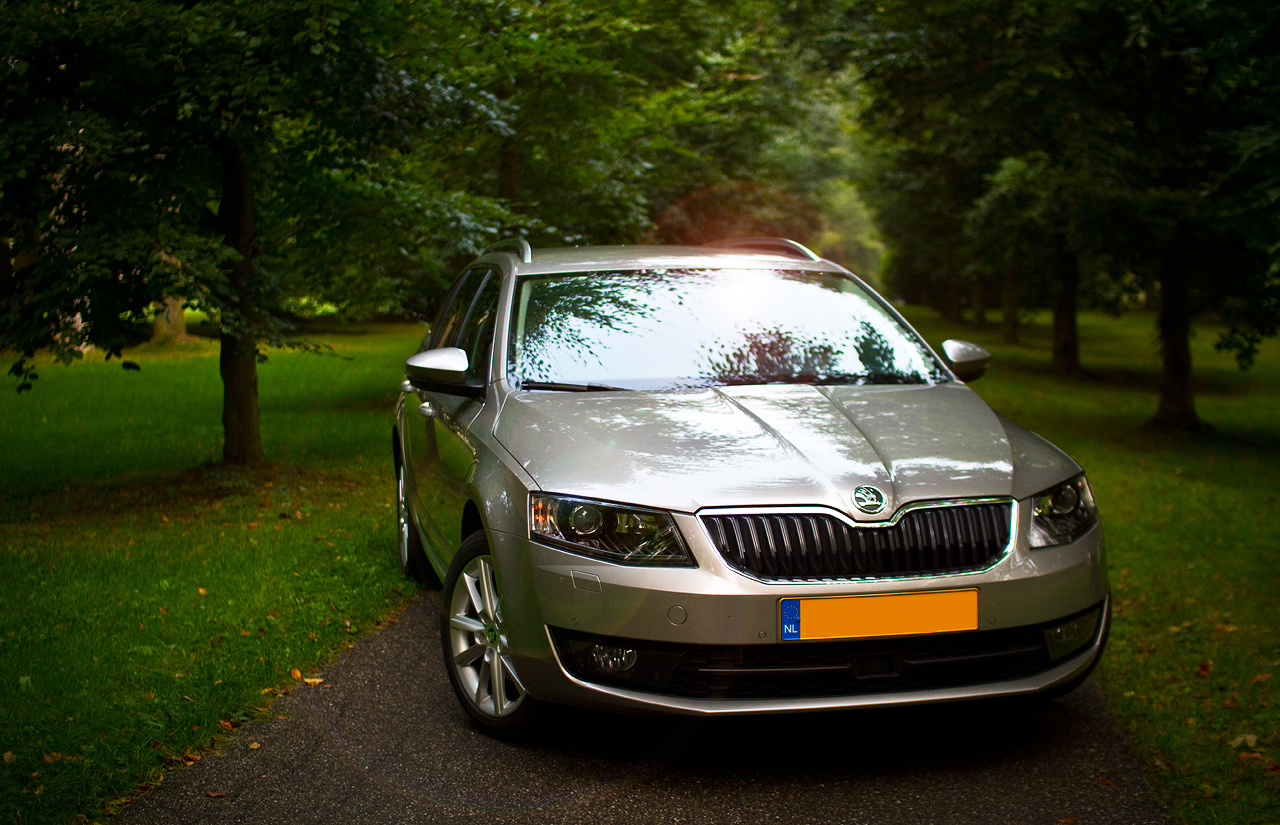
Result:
[{"x": 663, "y": 329}]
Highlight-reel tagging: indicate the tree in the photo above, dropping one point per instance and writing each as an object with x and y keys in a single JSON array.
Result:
[
  {"x": 156, "y": 149},
  {"x": 1138, "y": 133}
]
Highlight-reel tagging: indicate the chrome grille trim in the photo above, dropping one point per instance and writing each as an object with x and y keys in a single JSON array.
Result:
[{"x": 927, "y": 538}]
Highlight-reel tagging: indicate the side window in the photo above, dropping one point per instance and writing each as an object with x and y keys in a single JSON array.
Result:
[
  {"x": 445, "y": 329},
  {"x": 477, "y": 329}
]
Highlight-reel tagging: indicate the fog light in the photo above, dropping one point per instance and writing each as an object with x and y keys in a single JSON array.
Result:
[
  {"x": 1071, "y": 636},
  {"x": 613, "y": 659}
]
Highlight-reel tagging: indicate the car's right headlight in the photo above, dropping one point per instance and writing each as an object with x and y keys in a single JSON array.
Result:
[
  {"x": 611, "y": 532},
  {"x": 1062, "y": 514}
]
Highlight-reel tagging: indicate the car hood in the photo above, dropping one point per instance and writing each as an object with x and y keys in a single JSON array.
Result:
[{"x": 684, "y": 450}]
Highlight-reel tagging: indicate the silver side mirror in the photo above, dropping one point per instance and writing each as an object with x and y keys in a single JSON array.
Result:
[
  {"x": 968, "y": 361},
  {"x": 447, "y": 365}
]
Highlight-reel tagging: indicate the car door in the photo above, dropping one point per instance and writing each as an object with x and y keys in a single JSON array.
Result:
[{"x": 443, "y": 451}]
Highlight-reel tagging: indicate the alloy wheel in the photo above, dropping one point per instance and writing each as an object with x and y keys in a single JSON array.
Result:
[{"x": 478, "y": 645}]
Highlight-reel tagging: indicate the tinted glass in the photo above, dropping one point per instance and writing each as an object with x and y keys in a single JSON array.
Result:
[
  {"x": 446, "y": 327},
  {"x": 694, "y": 328},
  {"x": 477, "y": 329}
]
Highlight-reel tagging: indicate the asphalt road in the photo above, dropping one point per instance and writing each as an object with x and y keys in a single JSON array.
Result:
[{"x": 383, "y": 740}]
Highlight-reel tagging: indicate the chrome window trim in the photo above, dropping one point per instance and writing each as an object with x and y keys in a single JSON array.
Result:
[{"x": 924, "y": 504}]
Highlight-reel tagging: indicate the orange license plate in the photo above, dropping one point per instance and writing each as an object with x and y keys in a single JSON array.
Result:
[{"x": 889, "y": 614}]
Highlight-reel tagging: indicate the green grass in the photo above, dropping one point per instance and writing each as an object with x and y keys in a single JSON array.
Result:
[
  {"x": 114, "y": 518},
  {"x": 149, "y": 599},
  {"x": 1193, "y": 537}
]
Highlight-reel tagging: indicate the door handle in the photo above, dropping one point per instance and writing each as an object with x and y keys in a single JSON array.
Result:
[{"x": 426, "y": 410}]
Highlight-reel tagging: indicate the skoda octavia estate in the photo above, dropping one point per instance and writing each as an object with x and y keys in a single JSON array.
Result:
[{"x": 728, "y": 479}]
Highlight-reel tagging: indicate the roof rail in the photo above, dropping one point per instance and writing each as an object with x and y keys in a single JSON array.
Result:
[
  {"x": 519, "y": 246},
  {"x": 777, "y": 246}
]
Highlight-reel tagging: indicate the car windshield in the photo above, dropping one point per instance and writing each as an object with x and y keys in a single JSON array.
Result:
[{"x": 662, "y": 329}]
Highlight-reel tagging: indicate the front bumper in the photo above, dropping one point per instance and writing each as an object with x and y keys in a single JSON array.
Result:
[{"x": 549, "y": 592}]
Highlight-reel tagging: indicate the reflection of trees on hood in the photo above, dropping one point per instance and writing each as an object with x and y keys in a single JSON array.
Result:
[{"x": 564, "y": 313}]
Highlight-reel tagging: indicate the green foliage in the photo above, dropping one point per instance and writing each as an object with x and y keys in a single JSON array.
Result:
[
  {"x": 1135, "y": 135},
  {"x": 155, "y": 149}
]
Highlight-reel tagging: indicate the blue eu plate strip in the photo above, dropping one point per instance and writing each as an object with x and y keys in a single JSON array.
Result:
[{"x": 790, "y": 619}]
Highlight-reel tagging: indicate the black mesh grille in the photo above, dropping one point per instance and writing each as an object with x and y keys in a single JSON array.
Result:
[{"x": 805, "y": 546}]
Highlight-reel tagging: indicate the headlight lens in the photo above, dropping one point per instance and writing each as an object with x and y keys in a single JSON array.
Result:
[
  {"x": 623, "y": 535},
  {"x": 1062, "y": 514}
]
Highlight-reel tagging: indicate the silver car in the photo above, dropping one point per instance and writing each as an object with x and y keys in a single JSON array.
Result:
[{"x": 728, "y": 479}]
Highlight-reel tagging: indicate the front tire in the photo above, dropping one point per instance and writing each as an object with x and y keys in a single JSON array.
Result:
[{"x": 474, "y": 641}]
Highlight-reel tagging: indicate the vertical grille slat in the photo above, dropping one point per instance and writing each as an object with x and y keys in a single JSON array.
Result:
[{"x": 818, "y": 546}]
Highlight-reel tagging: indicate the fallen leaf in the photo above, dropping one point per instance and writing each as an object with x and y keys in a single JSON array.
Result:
[
  {"x": 166, "y": 612},
  {"x": 214, "y": 794},
  {"x": 225, "y": 724},
  {"x": 57, "y": 757},
  {"x": 202, "y": 591},
  {"x": 295, "y": 673},
  {"x": 1274, "y": 767},
  {"x": 1246, "y": 739},
  {"x": 1231, "y": 703},
  {"x": 244, "y": 633},
  {"x": 1070, "y": 819},
  {"x": 313, "y": 680},
  {"x": 1260, "y": 678},
  {"x": 1203, "y": 670},
  {"x": 148, "y": 696},
  {"x": 1249, "y": 755},
  {"x": 191, "y": 757},
  {"x": 10, "y": 756},
  {"x": 1226, "y": 628},
  {"x": 1105, "y": 782},
  {"x": 267, "y": 690},
  {"x": 253, "y": 746}
]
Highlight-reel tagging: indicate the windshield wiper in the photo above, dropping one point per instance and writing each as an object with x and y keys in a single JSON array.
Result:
[{"x": 562, "y": 387}]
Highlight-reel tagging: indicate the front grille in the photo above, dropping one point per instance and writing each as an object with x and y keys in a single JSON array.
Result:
[
  {"x": 799, "y": 670},
  {"x": 817, "y": 546}
]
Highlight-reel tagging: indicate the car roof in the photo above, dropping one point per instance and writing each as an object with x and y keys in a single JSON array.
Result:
[{"x": 591, "y": 258}]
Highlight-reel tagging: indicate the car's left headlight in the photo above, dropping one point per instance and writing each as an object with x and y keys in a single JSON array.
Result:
[
  {"x": 1062, "y": 514},
  {"x": 622, "y": 535}
]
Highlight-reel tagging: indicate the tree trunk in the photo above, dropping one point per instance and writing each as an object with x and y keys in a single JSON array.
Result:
[
  {"x": 1177, "y": 410},
  {"x": 1010, "y": 306},
  {"x": 171, "y": 320},
  {"x": 979, "y": 301},
  {"x": 238, "y": 359},
  {"x": 949, "y": 303},
  {"x": 509, "y": 165},
  {"x": 1066, "y": 338}
]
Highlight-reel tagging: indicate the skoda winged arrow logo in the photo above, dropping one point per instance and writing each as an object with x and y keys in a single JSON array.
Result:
[{"x": 868, "y": 499}]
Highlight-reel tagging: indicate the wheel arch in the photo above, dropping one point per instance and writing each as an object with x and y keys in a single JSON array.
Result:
[{"x": 472, "y": 521}]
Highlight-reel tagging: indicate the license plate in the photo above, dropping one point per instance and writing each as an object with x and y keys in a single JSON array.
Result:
[{"x": 889, "y": 614}]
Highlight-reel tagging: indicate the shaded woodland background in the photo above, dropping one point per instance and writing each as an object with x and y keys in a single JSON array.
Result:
[{"x": 266, "y": 161}]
